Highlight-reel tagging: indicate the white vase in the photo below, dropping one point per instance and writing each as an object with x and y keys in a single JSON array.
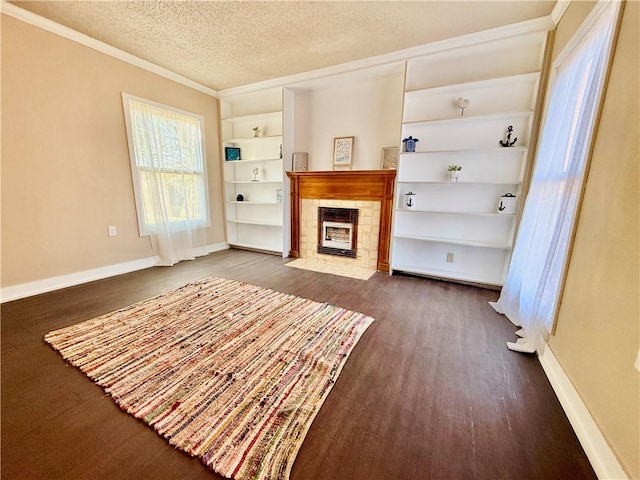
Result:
[{"x": 453, "y": 176}]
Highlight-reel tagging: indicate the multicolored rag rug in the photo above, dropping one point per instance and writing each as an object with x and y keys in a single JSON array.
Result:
[{"x": 226, "y": 371}]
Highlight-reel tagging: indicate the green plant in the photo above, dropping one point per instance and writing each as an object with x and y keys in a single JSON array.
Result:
[
  {"x": 454, "y": 168},
  {"x": 256, "y": 130}
]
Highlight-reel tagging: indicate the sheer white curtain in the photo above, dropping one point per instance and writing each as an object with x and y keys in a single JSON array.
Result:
[
  {"x": 531, "y": 291},
  {"x": 169, "y": 178}
]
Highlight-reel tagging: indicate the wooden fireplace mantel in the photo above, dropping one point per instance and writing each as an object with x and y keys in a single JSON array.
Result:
[{"x": 375, "y": 185}]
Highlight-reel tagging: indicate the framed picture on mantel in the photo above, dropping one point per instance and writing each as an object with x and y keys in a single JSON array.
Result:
[{"x": 342, "y": 152}]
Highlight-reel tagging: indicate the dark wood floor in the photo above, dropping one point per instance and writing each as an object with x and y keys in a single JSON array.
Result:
[{"x": 430, "y": 391}]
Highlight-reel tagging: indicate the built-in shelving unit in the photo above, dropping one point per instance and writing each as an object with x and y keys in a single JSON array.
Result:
[
  {"x": 454, "y": 230},
  {"x": 253, "y": 185}
]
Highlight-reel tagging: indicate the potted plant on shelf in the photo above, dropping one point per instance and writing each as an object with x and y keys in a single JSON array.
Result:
[
  {"x": 453, "y": 172},
  {"x": 256, "y": 131}
]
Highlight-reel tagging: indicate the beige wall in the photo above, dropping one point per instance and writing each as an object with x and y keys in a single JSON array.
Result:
[
  {"x": 598, "y": 329},
  {"x": 370, "y": 111},
  {"x": 65, "y": 165}
]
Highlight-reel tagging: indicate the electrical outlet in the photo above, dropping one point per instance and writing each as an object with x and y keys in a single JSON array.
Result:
[
  {"x": 450, "y": 257},
  {"x": 112, "y": 231}
]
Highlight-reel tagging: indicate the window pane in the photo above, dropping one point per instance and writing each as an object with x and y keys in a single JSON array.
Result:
[{"x": 168, "y": 167}]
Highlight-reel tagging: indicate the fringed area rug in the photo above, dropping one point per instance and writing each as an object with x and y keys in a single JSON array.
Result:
[{"x": 226, "y": 371}]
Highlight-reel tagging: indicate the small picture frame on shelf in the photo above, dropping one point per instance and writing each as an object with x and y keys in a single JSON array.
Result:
[
  {"x": 342, "y": 152},
  {"x": 390, "y": 158},
  {"x": 231, "y": 153},
  {"x": 300, "y": 161}
]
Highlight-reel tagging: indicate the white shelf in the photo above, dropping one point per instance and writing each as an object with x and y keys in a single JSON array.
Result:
[
  {"x": 257, "y": 160},
  {"x": 454, "y": 230},
  {"x": 444, "y": 182},
  {"x": 444, "y": 212},
  {"x": 262, "y": 223},
  {"x": 235, "y": 202},
  {"x": 254, "y": 246},
  {"x": 254, "y": 118},
  {"x": 257, "y": 222},
  {"x": 449, "y": 275},
  {"x": 489, "y": 150},
  {"x": 470, "y": 119},
  {"x": 452, "y": 241},
  {"x": 478, "y": 84},
  {"x": 252, "y": 139}
]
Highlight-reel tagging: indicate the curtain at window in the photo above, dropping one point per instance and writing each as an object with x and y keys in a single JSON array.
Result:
[
  {"x": 169, "y": 180},
  {"x": 530, "y": 294}
]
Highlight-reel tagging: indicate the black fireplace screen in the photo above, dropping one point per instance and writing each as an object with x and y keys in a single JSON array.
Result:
[{"x": 338, "y": 231}]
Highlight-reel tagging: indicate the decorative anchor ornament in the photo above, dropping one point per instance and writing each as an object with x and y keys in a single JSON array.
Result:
[
  {"x": 509, "y": 142},
  {"x": 409, "y": 200}
]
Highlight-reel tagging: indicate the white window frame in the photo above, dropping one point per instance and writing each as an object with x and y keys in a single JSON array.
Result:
[
  {"x": 144, "y": 228},
  {"x": 603, "y": 7}
]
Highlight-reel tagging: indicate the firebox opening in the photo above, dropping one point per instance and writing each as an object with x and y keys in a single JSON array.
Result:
[{"x": 337, "y": 231}]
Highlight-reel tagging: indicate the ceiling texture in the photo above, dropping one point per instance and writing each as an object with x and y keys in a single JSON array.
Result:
[{"x": 225, "y": 44}]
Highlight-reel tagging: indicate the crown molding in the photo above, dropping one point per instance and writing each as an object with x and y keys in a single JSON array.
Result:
[
  {"x": 558, "y": 11},
  {"x": 541, "y": 24},
  {"x": 70, "y": 34}
]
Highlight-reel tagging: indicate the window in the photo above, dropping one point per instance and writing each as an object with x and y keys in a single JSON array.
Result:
[
  {"x": 531, "y": 292},
  {"x": 166, "y": 147}
]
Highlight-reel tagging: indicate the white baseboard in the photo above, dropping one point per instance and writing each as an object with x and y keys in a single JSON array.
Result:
[
  {"x": 55, "y": 283},
  {"x": 602, "y": 458},
  {"x": 217, "y": 247}
]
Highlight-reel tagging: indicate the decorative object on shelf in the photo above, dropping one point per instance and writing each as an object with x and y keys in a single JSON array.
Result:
[
  {"x": 256, "y": 131},
  {"x": 508, "y": 204},
  {"x": 239, "y": 198},
  {"x": 390, "y": 158},
  {"x": 256, "y": 171},
  {"x": 231, "y": 153},
  {"x": 410, "y": 143},
  {"x": 410, "y": 200},
  {"x": 453, "y": 172},
  {"x": 300, "y": 161},
  {"x": 279, "y": 195},
  {"x": 280, "y": 150},
  {"x": 508, "y": 142},
  {"x": 462, "y": 104},
  {"x": 342, "y": 151}
]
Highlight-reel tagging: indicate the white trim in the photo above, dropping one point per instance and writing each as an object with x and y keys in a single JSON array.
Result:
[
  {"x": 602, "y": 458},
  {"x": 29, "y": 289},
  {"x": 217, "y": 247},
  {"x": 600, "y": 9},
  {"x": 558, "y": 10},
  {"x": 55, "y": 283},
  {"x": 529, "y": 26},
  {"x": 70, "y": 34}
]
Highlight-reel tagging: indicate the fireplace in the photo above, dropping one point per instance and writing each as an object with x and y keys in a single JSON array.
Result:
[
  {"x": 338, "y": 231},
  {"x": 368, "y": 191}
]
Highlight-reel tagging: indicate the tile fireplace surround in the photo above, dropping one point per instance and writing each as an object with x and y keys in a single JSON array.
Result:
[
  {"x": 368, "y": 235},
  {"x": 371, "y": 191}
]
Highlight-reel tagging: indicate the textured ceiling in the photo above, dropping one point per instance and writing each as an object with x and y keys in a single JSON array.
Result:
[{"x": 224, "y": 44}]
